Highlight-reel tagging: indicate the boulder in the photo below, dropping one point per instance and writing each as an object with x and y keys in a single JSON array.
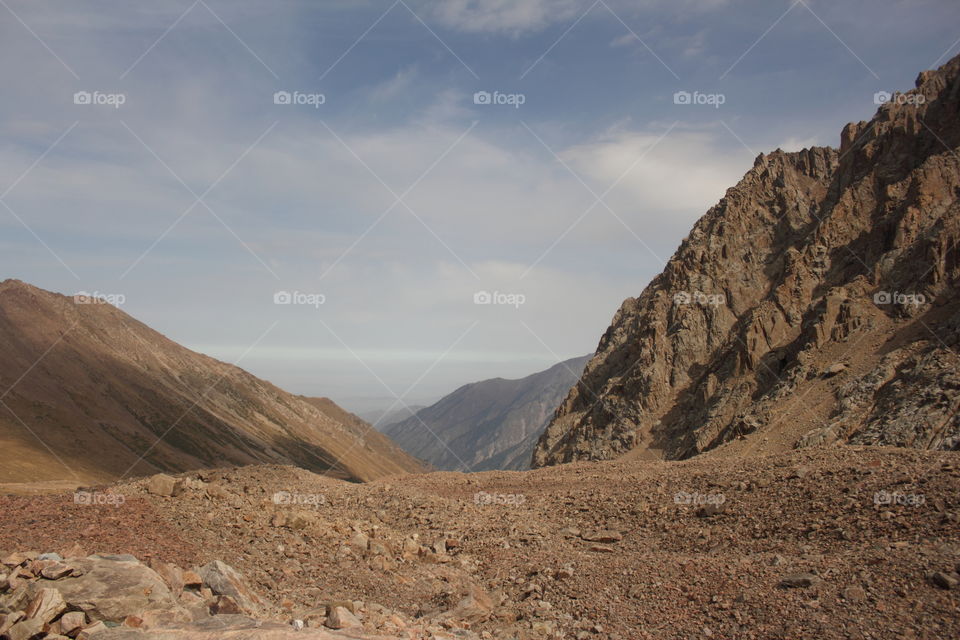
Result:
[
  {"x": 162, "y": 485},
  {"x": 114, "y": 587},
  {"x": 7, "y": 620},
  {"x": 20, "y": 558},
  {"x": 93, "y": 631},
  {"x": 224, "y": 580},
  {"x": 171, "y": 574},
  {"x": 341, "y": 618},
  {"x": 225, "y": 605},
  {"x": 328, "y": 607},
  {"x": 72, "y": 622},
  {"x": 56, "y": 571},
  {"x": 192, "y": 580},
  {"x": 26, "y": 629},
  {"x": 300, "y": 520},
  {"x": 945, "y": 580},
  {"x": 360, "y": 541},
  {"x": 46, "y": 605},
  {"x": 834, "y": 370},
  {"x": 476, "y": 607}
]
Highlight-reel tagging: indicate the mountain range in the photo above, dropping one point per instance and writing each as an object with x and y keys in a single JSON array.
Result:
[{"x": 493, "y": 424}]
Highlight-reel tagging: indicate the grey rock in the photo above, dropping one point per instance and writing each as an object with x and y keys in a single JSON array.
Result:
[{"x": 800, "y": 580}]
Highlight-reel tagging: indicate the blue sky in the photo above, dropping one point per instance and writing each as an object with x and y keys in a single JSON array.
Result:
[{"x": 399, "y": 198}]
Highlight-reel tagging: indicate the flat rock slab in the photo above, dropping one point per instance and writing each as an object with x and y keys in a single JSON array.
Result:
[{"x": 113, "y": 587}]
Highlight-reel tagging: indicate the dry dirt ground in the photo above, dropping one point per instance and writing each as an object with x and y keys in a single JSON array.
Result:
[{"x": 625, "y": 550}]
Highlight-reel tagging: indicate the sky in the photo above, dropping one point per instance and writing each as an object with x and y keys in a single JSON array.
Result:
[{"x": 380, "y": 201}]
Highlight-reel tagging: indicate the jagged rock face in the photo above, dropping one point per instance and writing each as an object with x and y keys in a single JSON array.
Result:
[{"x": 816, "y": 258}]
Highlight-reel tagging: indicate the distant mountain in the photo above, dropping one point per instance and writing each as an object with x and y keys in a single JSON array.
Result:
[
  {"x": 382, "y": 419},
  {"x": 91, "y": 394},
  {"x": 487, "y": 425},
  {"x": 817, "y": 304}
]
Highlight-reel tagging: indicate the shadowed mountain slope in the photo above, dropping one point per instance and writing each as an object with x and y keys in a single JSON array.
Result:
[{"x": 89, "y": 393}]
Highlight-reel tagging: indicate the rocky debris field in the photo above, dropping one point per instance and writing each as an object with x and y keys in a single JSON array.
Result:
[
  {"x": 842, "y": 542},
  {"x": 116, "y": 597}
]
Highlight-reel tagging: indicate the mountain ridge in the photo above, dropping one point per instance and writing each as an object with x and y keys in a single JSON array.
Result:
[
  {"x": 89, "y": 383},
  {"x": 489, "y": 424},
  {"x": 810, "y": 251}
]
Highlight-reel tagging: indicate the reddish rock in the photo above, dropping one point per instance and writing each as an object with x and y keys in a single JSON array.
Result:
[
  {"x": 224, "y": 580},
  {"x": 46, "y": 605},
  {"x": 225, "y": 605},
  {"x": 72, "y": 622},
  {"x": 341, "y": 618}
]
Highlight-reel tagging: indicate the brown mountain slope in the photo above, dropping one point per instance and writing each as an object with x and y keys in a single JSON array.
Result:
[
  {"x": 816, "y": 303},
  {"x": 372, "y": 439},
  {"x": 91, "y": 393}
]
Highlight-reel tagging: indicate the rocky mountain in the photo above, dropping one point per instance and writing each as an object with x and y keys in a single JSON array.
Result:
[
  {"x": 89, "y": 393},
  {"x": 493, "y": 424},
  {"x": 815, "y": 304}
]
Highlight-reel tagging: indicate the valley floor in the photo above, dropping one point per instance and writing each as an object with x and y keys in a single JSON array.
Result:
[{"x": 827, "y": 543}]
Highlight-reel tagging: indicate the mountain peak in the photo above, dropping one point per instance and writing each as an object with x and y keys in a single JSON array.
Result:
[{"x": 817, "y": 261}]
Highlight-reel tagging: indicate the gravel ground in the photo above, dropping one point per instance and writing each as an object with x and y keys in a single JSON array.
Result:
[{"x": 629, "y": 550}]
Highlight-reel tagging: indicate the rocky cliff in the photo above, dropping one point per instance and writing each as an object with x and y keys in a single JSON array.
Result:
[{"x": 815, "y": 303}]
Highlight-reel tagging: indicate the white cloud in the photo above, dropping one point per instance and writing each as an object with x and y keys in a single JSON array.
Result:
[
  {"x": 520, "y": 16},
  {"x": 625, "y": 40},
  {"x": 684, "y": 173},
  {"x": 400, "y": 83},
  {"x": 511, "y": 16}
]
